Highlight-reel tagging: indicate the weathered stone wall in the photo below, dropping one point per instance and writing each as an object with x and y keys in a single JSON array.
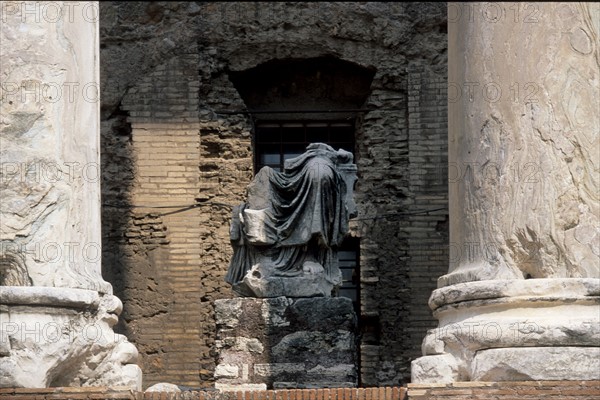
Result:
[
  {"x": 165, "y": 77},
  {"x": 402, "y": 151}
]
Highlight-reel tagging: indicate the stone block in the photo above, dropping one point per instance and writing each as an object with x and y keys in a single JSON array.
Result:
[
  {"x": 337, "y": 373},
  {"x": 435, "y": 369},
  {"x": 227, "y": 312},
  {"x": 274, "y": 369},
  {"x": 554, "y": 320},
  {"x": 537, "y": 363},
  {"x": 284, "y": 342},
  {"x": 224, "y": 387},
  {"x": 226, "y": 371}
]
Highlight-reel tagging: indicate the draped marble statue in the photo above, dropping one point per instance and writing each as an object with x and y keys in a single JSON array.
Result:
[{"x": 285, "y": 236}]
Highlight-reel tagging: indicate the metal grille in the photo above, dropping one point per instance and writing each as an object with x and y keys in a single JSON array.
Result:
[
  {"x": 278, "y": 141},
  {"x": 348, "y": 257}
]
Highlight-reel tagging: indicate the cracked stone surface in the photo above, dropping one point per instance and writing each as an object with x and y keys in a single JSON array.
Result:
[
  {"x": 523, "y": 181},
  {"x": 286, "y": 343},
  {"x": 56, "y": 310},
  {"x": 524, "y": 198}
]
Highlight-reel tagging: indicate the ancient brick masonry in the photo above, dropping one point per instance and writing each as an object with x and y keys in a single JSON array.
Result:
[
  {"x": 164, "y": 292},
  {"x": 576, "y": 390},
  {"x": 427, "y": 232},
  {"x": 401, "y": 161},
  {"x": 383, "y": 393},
  {"x": 165, "y": 77}
]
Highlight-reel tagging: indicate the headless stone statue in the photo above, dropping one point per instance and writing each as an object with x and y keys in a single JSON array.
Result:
[{"x": 285, "y": 237}]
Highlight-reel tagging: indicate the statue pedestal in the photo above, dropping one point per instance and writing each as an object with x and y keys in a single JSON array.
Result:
[
  {"x": 513, "y": 330},
  {"x": 283, "y": 342},
  {"x": 256, "y": 284}
]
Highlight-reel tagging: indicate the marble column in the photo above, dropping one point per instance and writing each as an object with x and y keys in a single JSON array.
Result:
[
  {"x": 524, "y": 189},
  {"x": 56, "y": 311}
]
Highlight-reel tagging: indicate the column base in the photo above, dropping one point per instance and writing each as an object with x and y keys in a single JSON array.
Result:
[
  {"x": 52, "y": 337},
  {"x": 539, "y": 329}
]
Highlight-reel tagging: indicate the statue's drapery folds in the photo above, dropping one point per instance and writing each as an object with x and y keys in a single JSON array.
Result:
[{"x": 292, "y": 224}]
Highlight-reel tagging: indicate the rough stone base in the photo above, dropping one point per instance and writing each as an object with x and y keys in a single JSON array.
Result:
[{"x": 285, "y": 343}]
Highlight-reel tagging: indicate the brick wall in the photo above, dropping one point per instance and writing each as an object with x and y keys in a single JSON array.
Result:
[
  {"x": 166, "y": 144},
  {"x": 383, "y": 393},
  {"x": 402, "y": 147},
  {"x": 382, "y": 193},
  {"x": 531, "y": 390},
  {"x": 427, "y": 232},
  {"x": 156, "y": 269},
  {"x": 166, "y": 226}
]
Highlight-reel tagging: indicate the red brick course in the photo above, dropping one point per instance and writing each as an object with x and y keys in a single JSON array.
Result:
[
  {"x": 535, "y": 390},
  {"x": 287, "y": 394},
  {"x": 530, "y": 390}
]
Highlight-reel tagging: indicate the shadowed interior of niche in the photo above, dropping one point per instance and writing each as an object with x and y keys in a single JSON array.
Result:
[{"x": 320, "y": 83}]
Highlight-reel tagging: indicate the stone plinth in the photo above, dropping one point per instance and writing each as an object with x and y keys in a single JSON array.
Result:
[
  {"x": 285, "y": 343},
  {"x": 501, "y": 330},
  {"x": 256, "y": 284}
]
